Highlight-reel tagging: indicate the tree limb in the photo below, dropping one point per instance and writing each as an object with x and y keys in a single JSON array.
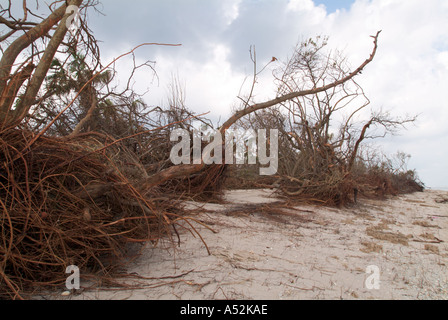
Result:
[
  {"x": 11, "y": 53},
  {"x": 43, "y": 67}
]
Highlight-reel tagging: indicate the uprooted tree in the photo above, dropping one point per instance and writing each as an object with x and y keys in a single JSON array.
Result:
[
  {"x": 320, "y": 135},
  {"x": 67, "y": 185},
  {"x": 84, "y": 166}
]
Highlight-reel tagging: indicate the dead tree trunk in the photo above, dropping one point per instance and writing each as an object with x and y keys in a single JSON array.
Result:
[{"x": 10, "y": 55}]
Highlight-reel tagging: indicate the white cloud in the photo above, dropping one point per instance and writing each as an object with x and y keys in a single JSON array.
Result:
[
  {"x": 231, "y": 10},
  {"x": 301, "y": 5},
  {"x": 408, "y": 76},
  {"x": 210, "y": 86}
]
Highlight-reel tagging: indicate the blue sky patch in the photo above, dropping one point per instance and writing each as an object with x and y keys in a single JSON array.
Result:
[{"x": 333, "y": 5}]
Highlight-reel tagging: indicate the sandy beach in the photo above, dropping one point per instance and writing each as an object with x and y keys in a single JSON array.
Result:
[{"x": 377, "y": 249}]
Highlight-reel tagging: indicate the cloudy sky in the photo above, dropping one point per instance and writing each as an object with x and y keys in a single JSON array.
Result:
[{"x": 408, "y": 76}]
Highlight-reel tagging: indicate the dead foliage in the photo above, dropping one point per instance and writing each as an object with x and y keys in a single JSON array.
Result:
[
  {"x": 432, "y": 248},
  {"x": 371, "y": 247},
  {"x": 441, "y": 200},
  {"x": 278, "y": 211},
  {"x": 425, "y": 224},
  {"x": 243, "y": 177},
  {"x": 330, "y": 189},
  {"x": 377, "y": 232},
  {"x": 377, "y": 183},
  {"x": 63, "y": 203},
  {"x": 206, "y": 185}
]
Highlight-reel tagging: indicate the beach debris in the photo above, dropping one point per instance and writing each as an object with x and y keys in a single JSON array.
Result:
[{"x": 441, "y": 200}]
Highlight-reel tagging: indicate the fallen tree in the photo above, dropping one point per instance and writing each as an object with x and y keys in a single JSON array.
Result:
[
  {"x": 80, "y": 177},
  {"x": 321, "y": 134},
  {"x": 186, "y": 170}
]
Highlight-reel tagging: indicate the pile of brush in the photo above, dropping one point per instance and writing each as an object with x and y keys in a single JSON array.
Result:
[
  {"x": 331, "y": 189},
  {"x": 69, "y": 202},
  {"x": 206, "y": 185},
  {"x": 380, "y": 183}
]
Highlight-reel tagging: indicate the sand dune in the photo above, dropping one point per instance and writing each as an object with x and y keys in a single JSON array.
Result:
[{"x": 305, "y": 252}]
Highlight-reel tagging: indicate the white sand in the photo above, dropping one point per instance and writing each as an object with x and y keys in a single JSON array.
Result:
[{"x": 314, "y": 253}]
